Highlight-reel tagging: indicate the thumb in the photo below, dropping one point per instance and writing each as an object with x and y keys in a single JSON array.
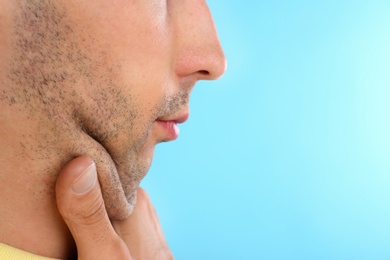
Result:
[{"x": 80, "y": 203}]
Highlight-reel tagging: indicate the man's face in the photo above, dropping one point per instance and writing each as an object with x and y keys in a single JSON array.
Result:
[{"x": 112, "y": 78}]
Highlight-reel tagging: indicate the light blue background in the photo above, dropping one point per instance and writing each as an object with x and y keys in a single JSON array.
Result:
[{"x": 288, "y": 155}]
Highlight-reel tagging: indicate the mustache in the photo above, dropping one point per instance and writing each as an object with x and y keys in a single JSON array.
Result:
[{"x": 172, "y": 104}]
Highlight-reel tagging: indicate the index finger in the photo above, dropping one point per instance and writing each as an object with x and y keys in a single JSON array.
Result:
[{"x": 142, "y": 231}]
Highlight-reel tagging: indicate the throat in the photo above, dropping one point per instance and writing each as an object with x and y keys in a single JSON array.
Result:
[
  {"x": 29, "y": 217},
  {"x": 33, "y": 223}
]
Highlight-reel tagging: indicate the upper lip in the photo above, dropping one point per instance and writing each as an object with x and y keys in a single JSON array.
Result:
[{"x": 177, "y": 118}]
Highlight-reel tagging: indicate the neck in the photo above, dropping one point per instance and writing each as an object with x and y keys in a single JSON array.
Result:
[
  {"x": 29, "y": 219},
  {"x": 28, "y": 213}
]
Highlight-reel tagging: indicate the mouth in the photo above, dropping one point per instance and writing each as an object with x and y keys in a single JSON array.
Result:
[{"x": 169, "y": 125}]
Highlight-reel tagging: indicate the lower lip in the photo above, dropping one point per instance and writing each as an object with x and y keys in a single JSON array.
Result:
[{"x": 170, "y": 128}]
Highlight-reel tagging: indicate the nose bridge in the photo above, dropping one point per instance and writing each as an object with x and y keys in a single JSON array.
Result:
[{"x": 199, "y": 48}]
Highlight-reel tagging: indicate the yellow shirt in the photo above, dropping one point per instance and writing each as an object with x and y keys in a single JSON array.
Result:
[{"x": 8, "y": 252}]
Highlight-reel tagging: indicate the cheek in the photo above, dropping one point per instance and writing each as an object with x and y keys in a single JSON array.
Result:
[
  {"x": 129, "y": 82},
  {"x": 148, "y": 84}
]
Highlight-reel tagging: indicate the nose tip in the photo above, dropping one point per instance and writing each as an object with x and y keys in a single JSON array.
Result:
[
  {"x": 215, "y": 64},
  {"x": 207, "y": 63},
  {"x": 220, "y": 66},
  {"x": 200, "y": 51}
]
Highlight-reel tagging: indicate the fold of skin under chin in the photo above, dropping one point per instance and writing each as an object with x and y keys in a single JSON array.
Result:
[{"x": 119, "y": 205}]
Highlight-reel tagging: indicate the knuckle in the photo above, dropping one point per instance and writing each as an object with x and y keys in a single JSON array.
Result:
[
  {"x": 142, "y": 195},
  {"x": 164, "y": 254},
  {"x": 92, "y": 212},
  {"x": 143, "y": 199},
  {"x": 87, "y": 212}
]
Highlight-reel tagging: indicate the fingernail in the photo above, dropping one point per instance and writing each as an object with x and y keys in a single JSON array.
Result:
[{"x": 85, "y": 181}]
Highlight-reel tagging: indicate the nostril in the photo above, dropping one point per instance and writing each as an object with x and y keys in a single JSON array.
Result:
[{"x": 204, "y": 72}]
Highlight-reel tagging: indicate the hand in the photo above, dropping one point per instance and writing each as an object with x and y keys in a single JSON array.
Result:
[{"x": 81, "y": 205}]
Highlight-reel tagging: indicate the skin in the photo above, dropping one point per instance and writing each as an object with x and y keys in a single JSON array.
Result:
[
  {"x": 138, "y": 237},
  {"x": 90, "y": 78}
]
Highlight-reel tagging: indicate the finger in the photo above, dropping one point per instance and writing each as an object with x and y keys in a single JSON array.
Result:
[
  {"x": 81, "y": 205},
  {"x": 142, "y": 231}
]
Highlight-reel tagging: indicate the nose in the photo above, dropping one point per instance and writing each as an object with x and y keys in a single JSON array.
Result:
[{"x": 199, "y": 52}]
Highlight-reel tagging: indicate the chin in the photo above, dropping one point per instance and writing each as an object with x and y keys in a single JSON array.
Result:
[
  {"x": 121, "y": 167},
  {"x": 130, "y": 173}
]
